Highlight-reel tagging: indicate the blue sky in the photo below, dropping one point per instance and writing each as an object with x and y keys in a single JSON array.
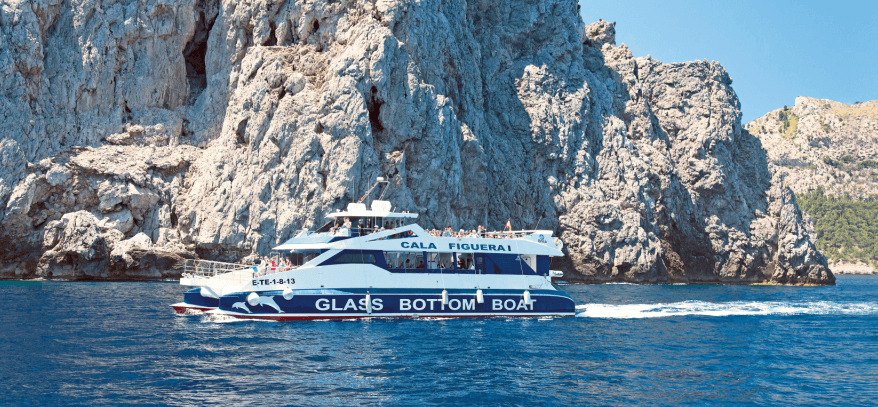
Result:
[{"x": 774, "y": 50}]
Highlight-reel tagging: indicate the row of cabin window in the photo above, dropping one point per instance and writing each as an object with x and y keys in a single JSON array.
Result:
[
  {"x": 414, "y": 260},
  {"x": 411, "y": 260}
]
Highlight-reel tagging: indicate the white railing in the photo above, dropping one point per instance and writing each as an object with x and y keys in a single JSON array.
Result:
[
  {"x": 503, "y": 234},
  {"x": 194, "y": 268}
]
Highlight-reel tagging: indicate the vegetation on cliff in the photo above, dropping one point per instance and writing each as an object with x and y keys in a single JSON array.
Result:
[
  {"x": 847, "y": 228},
  {"x": 823, "y": 143}
]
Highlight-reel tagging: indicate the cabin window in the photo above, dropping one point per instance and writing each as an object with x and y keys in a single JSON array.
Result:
[
  {"x": 355, "y": 258},
  {"x": 443, "y": 261},
  {"x": 300, "y": 258},
  {"x": 404, "y": 260},
  {"x": 465, "y": 261}
]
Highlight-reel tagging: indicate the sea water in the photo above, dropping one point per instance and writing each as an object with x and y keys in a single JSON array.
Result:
[{"x": 120, "y": 343}]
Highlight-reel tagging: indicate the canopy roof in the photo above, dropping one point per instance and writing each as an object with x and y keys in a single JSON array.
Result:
[{"x": 380, "y": 209}]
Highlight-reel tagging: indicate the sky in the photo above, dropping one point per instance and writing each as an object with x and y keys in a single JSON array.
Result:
[{"x": 774, "y": 50}]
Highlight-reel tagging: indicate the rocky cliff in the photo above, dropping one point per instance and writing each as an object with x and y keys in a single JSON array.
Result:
[
  {"x": 139, "y": 132},
  {"x": 833, "y": 146},
  {"x": 822, "y": 143}
]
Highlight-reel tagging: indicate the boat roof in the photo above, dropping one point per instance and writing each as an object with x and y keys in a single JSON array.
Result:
[{"x": 379, "y": 209}]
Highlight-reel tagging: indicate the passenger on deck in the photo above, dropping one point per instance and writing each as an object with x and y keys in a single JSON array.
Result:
[
  {"x": 347, "y": 223},
  {"x": 421, "y": 263},
  {"x": 447, "y": 232}
]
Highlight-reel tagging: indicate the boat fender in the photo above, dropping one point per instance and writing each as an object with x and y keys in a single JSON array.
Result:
[
  {"x": 527, "y": 297},
  {"x": 288, "y": 294},
  {"x": 253, "y": 299},
  {"x": 207, "y": 292},
  {"x": 444, "y": 297},
  {"x": 480, "y": 298},
  {"x": 368, "y": 303}
]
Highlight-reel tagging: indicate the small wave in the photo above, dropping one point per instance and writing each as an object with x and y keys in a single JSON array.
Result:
[
  {"x": 190, "y": 311},
  {"x": 723, "y": 309},
  {"x": 219, "y": 318}
]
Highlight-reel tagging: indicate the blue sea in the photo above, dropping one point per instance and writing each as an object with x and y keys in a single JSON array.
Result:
[{"x": 84, "y": 343}]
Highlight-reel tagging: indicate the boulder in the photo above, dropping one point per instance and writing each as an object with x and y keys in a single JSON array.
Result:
[{"x": 80, "y": 251}]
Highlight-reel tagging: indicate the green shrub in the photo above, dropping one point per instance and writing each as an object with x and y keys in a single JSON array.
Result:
[
  {"x": 790, "y": 122},
  {"x": 846, "y": 229}
]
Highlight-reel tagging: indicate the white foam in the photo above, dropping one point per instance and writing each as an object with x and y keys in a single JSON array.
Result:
[
  {"x": 190, "y": 311},
  {"x": 722, "y": 309},
  {"x": 219, "y": 318}
]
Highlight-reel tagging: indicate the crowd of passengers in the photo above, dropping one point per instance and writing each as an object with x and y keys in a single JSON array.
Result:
[
  {"x": 270, "y": 266},
  {"x": 478, "y": 233},
  {"x": 365, "y": 228}
]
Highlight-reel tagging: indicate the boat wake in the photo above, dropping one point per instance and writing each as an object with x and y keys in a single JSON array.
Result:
[{"x": 723, "y": 309}]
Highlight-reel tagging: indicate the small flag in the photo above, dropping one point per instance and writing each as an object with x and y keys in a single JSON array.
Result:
[{"x": 509, "y": 224}]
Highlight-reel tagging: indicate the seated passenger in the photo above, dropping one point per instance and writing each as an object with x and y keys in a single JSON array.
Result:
[{"x": 420, "y": 264}]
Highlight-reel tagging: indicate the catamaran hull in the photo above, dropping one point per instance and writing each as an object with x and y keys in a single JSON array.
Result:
[
  {"x": 344, "y": 304},
  {"x": 193, "y": 300}
]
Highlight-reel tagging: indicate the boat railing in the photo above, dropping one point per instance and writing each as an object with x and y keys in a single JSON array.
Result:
[
  {"x": 503, "y": 234},
  {"x": 269, "y": 270},
  {"x": 208, "y": 269}
]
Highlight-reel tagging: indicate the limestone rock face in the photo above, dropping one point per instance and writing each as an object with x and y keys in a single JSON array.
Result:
[
  {"x": 222, "y": 128},
  {"x": 80, "y": 252},
  {"x": 821, "y": 143}
]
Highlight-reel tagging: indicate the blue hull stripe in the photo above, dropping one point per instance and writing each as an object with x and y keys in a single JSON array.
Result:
[{"x": 544, "y": 302}]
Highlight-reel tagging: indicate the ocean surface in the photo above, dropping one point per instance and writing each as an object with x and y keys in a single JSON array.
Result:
[{"x": 81, "y": 343}]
